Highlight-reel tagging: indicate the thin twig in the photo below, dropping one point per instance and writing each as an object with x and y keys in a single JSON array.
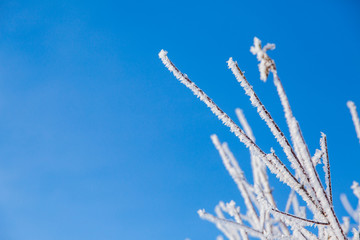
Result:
[{"x": 300, "y": 218}]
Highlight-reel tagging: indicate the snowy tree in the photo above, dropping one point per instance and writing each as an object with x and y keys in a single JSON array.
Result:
[{"x": 262, "y": 218}]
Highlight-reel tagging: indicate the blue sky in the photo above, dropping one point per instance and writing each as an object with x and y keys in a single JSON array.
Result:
[{"x": 99, "y": 141}]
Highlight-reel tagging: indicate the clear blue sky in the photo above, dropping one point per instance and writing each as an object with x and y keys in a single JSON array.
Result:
[{"x": 99, "y": 141}]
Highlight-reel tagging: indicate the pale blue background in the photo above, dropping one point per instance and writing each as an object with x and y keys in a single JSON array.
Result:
[{"x": 99, "y": 141}]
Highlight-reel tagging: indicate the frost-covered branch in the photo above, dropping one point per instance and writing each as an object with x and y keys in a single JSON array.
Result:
[
  {"x": 305, "y": 169},
  {"x": 278, "y": 134},
  {"x": 220, "y": 221},
  {"x": 234, "y": 128},
  {"x": 237, "y": 176},
  {"x": 354, "y": 213},
  {"x": 324, "y": 149},
  {"x": 305, "y": 182},
  {"x": 355, "y": 117},
  {"x": 300, "y": 146}
]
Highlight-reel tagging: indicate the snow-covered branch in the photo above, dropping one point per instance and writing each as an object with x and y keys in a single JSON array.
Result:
[
  {"x": 355, "y": 117},
  {"x": 301, "y": 176}
]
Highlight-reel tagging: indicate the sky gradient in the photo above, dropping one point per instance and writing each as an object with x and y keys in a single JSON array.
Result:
[{"x": 99, "y": 141}]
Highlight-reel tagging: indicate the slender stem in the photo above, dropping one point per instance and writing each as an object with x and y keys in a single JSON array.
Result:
[{"x": 300, "y": 218}]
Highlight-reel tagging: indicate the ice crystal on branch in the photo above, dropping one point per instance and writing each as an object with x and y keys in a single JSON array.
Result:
[
  {"x": 262, "y": 218},
  {"x": 355, "y": 117}
]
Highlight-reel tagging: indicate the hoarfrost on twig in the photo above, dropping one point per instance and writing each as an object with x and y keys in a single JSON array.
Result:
[
  {"x": 305, "y": 182},
  {"x": 355, "y": 117}
]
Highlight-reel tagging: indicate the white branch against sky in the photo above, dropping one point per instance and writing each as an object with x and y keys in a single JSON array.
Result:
[
  {"x": 262, "y": 218},
  {"x": 355, "y": 117}
]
